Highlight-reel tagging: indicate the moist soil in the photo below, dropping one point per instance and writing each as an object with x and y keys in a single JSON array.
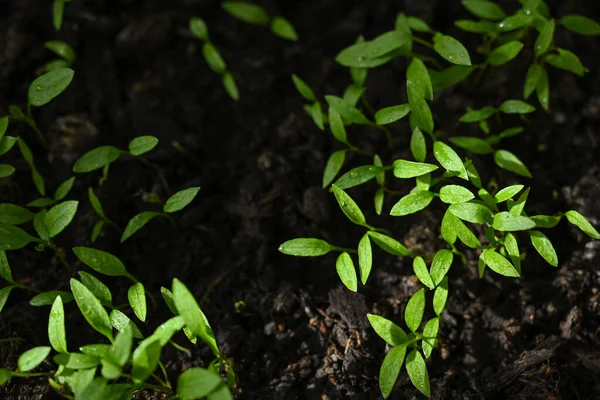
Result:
[{"x": 289, "y": 326}]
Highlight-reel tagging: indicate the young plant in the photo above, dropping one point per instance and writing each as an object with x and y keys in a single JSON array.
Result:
[
  {"x": 104, "y": 220},
  {"x": 65, "y": 53},
  {"x": 213, "y": 57},
  {"x": 175, "y": 203},
  {"x": 6, "y": 143},
  {"x": 255, "y": 14}
]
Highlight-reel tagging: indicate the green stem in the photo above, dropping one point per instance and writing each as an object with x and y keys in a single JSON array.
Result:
[
  {"x": 359, "y": 150},
  {"x": 164, "y": 372},
  {"x": 25, "y": 287},
  {"x": 423, "y": 42},
  {"x": 12, "y": 339},
  {"x": 31, "y": 122},
  {"x": 387, "y": 134},
  {"x": 180, "y": 348},
  {"x": 342, "y": 249},
  {"x": 430, "y": 59}
]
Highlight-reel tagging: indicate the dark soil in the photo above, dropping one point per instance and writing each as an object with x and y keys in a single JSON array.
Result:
[{"x": 259, "y": 162}]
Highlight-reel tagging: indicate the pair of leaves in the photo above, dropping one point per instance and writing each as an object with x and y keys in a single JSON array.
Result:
[
  {"x": 376, "y": 52},
  {"x": 102, "y": 156},
  {"x": 254, "y": 14}
]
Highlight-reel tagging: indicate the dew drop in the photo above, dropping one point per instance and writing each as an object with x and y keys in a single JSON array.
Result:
[
  {"x": 3, "y": 230},
  {"x": 353, "y": 174},
  {"x": 501, "y": 25},
  {"x": 7, "y": 246},
  {"x": 342, "y": 203},
  {"x": 94, "y": 260},
  {"x": 370, "y": 168},
  {"x": 450, "y": 57},
  {"x": 462, "y": 54},
  {"x": 39, "y": 88}
]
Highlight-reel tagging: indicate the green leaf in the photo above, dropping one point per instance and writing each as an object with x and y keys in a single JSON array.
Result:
[
  {"x": 145, "y": 360},
  {"x": 516, "y": 107},
  {"x": 7, "y": 143},
  {"x": 46, "y": 87},
  {"x": 96, "y": 203},
  {"x": 337, "y": 126},
  {"x": 477, "y": 26},
  {"x": 49, "y": 297},
  {"x": 197, "y": 383},
  {"x": 430, "y": 336},
  {"x": 544, "y": 247},
  {"x": 98, "y": 289},
  {"x": 376, "y": 52},
  {"x": 408, "y": 169},
  {"x": 387, "y": 330},
  {"x": 392, "y": 114},
  {"x": 6, "y": 170},
  {"x": 282, "y": 28},
  {"x": 137, "y": 300},
  {"x": 471, "y": 212},
  {"x": 507, "y": 193},
  {"x": 544, "y": 40},
  {"x": 440, "y": 296},
  {"x": 346, "y": 271},
  {"x": 198, "y": 28},
  {"x": 357, "y": 176},
  {"x": 451, "y": 49},
  {"x": 56, "y": 326},
  {"x": 138, "y": 222},
  {"x": 417, "y": 74},
  {"x": 304, "y": 90},
  {"x": 420, "y": 110},
  {"x": 378, "y": 200},
  {"x": 477, "y": 115},
  {"x": 420, "y": 269},
  {"x": 506, "y": 222},
  {"x": 452, "y": 194},
  {"x": 230, "y": 86},
  {"x": 442, "y": 261},
  {"x": 348, "y": 206},
  {"x": 3, "y": 126},
  {"x": 388, "y": 244},
  {"x": 316, "y": 113},
  {"x": 579, "y": 221},
  {"x": 417, "y": 372},
  {"x": 350, "y": 114},
  {"x": 390, "y": 369},
  {"x": 517, "y": 208},
  {"x": 14, "y": 238},
  {"x": 412, "y": 203},
  {"x": 472, "y": 144},
  {"x": 580, "y": 24},
  {"x": 504, "y": 53},
  {"x": 38, "y": 180},
  {"x": 514, "y": 22},
  {"x": 41, "y": 202},
  {"x": 566, "y": 60},
  {"x": 60, "y": 216},
  {"x": 510, "y": 162},
  {"x": 33, "y": 357},
  {"x": 14, "y": 215},
  {"x": 91, "y": 309},
  {"x": 448, "y": 228},
  {"x": 333, "y": 166},
  {"x": 499, "y": 264},
  {"x": 512, "y": 248},
  {"x": 413, "y": 314},
  {"x": 305, "y": 247},
  {"x": 213, "y": 58},
  {"x": 449, "y": 77},
  {"x": 121, "y": 348},
  {"x": 5, "y": 375},
  {"x": 61, "y": 49},
  {"x": 247, "y": 12},
  {"x": 4, "y": 293},
  {"x": 418, "y": 146},
  {"x": 121, "y": 322},
  {"x": 484, "y": 9},
  {"x": 448, "y": 159},
  {"x": 534, "y": 74},
  {"x": 542, "y": 90},
  {"x": 64, "y": 189},
  {"x": 365, "y": 258},
  {"x": 97, "y": 230},
  {"x": 142, "y": 144},
  {"x": 101, "y": 261},
  {"x": 96, "y": 159},
  {"x": 180, "y": 200},
  {"x": 545, "y": 221},
  {"x": 193, "y": 316},
  {"x": 5, "y": 272},
  {"x": 58, "y": 10}
]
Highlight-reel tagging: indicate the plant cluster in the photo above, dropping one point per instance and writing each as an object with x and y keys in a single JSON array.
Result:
[{"x": 491, "y": 220}]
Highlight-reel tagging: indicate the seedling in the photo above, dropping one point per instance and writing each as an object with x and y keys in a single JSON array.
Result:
[
  {"x": 175, "y": 203},
  {"x": 256, "y": 15},
  {"x": 58, "y": 12},
  {"x": 440, "y": 176},
  {"x": 65, "y": 53},
  {"x": 213, "y": 57},
  {"x": 104, "y": 220}
]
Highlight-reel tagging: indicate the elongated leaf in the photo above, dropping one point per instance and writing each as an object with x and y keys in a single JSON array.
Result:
[
  {"x": 418, "y": 146},
  {"x": 420, "y": 269},
  {"x": 484, "y": 9},
  {"x": 430, "y": 336},
  {"x": 516, "y": 107},
  {"x": 390, "y": 369},
  {"x": 408, "y": 169},
  {"x": 5, "y": 272},
  {"x": 14, "y": 215},
  {"x": 448, "y": 159},
  {"x": 566, "y": 60},
  {"x": 337, "y": 125},
  {"x": 544, "y": 40},
  {"x": 197, "y": 383},
  {"x": 142, "y": 144},
  {"x": 348, "y": 206},
  {"x": 471, "y": 212},
  {"x": 376, "y": 52},
  {"x": 413, "y": 314},
  {"x": 392, "y": 114},
  {"x": 49, "y": 297},
  {"x": 137, "y": 300},
  {"x": 6, "y": 170},
  {"x": 122, "y": 322},
  {"x": 96, "y": 159},
  {"x": 499, "y": 264},
  {"x": 14, "y": 238},
  {"x": 544, "y": 247},
  {"x": 101, "y": 261},
  {"x": 63, "y": 190},
  {"x": 98, "y": 289},
  {"x": 145, "y": 360},
  {"x": 505, "y": 221},
  {"x": 473, "y": 144},
  {"x": 542, "y": 89},
  {"x": 440, "y": 296},
  {"x": 56, "y": 326},
  {"x": 305, "y": 247},
  {"x": 198, "y": 28},
  {"x": 440, "y": 265},
  {"x": 121, "y": 349},
  {"x": 512, "y": 248},
  {"x": 95, "y": 201},
  {"x": 45, "y": 88},
  {"x": 5, "y": 375},
  {"x": 514, "y": 22},
  {"x": 477, "y": 26},
  {"x": 60, "y": 216},
  {"x": 284, "y": 29},
  {"x": 419, "y": 108},
  {"x": 507, "y": 193},
  {"x": 304, "y": 90},
  {"x": 180, "y": 200},
  {"x": 412, "y": 203},
  {"x": 32, "y": 358},
  {"x": 417, "y": 372},
  {"x": 504, "y": 53},
  {"x": 357, "y": 176},
  {"x": 388, "y": 244},
  {"x": 350, "y": 114},
  {"x": 579, "y": 221},
  {"x": 452, "y": 194},
  {"x": 510, "y": 162},
  {"x": 138, "y": 222},
  {"x": 580, "y": 24},
  {"x": 451, "y": 49},
  {"x": 545, "y": 221},
  {"x": 477, "y": 115},
  {"x": 333, "y": 166},
  {"x": 387, "y": 330},
  {"x": 365, "y": 258},
  {"x": 247, "y": 12},
  {"x": 91, "y": 309},
  {"x": 449, "y": 77},
  {"x": 4, "y": 293},
  {"x": 532, "y": 78},
  {"x": 346, "y": 271},
  {"x": 417, "y": 74}
]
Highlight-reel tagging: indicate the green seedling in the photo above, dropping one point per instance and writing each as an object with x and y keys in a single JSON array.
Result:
[
  {"x": 104, "y": 220},
  {"x": 213, "y": 57},
  {"x": 66, "y": 55},
  {"x": 58, "y": 12},
  {"x": 255, "y": 14},
  {"x": 438, "y": 175},
  {"x": 175, "y": 203},
  {"x": 6, "y": 143}
]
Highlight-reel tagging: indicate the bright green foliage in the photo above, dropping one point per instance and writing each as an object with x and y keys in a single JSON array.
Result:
[
  {"x": 45, "y": 88},
  {"x": 304, "y": 247},
  {"x": 346, "y": 271},
  {"x": 413, "y": 314},
  {"x": 451, "y": 49},
  {"x": 65, "y": 53}
]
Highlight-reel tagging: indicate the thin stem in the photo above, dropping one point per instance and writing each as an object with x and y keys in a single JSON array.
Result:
[
  {"x": 387, "y": 134},
  {"x": 359, "y": 150},
  {"x": 180, "y": 348},
  {"x": 423, "y": 42},
  {"x": 430, "y": 59},
  {"x": 28, "y": 375},
  {"x": 342, "y": 249},
  {"x": 164, "y": 372},
  {"x": 12, "y": 339},
  {"x": 382, "y": 230},
  {"x": 25, "y": 287}
]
